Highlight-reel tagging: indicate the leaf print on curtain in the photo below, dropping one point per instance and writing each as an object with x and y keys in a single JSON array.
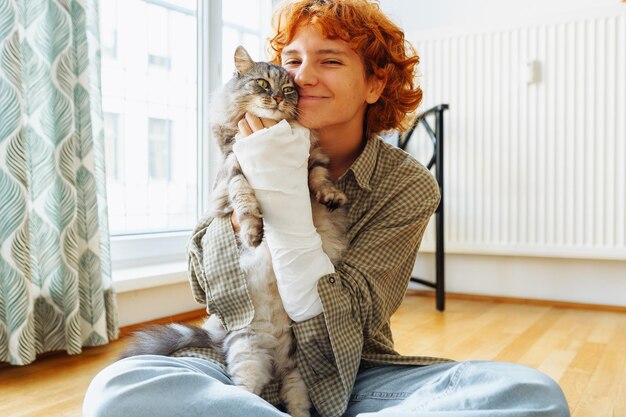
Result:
[{"x": 56, "y": 291}]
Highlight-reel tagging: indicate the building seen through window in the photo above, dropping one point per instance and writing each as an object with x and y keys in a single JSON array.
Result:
[
  {"x": 149, "y": 102},
  {"x": 159, "y": 149}
]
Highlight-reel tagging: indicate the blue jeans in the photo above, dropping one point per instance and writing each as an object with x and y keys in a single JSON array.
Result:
[{"x": 159, "y": 386}]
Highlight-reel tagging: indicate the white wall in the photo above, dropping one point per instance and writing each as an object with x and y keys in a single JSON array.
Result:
[
  {"x": 583, "y": 281},
  {"x": 594, "y": 281},
  {"x": 147, "y": 304},
  {"x": 425, "y": 15}
]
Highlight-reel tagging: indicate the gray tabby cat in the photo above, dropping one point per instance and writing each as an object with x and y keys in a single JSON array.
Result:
[{"x": 264, "y": 350}]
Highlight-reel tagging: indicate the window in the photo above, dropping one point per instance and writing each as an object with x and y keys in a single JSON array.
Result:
[
  {"x": 111, "y": 145},
  {"x": 248, "y": 29},
  {"x": 159, "y": 149},
  {"x": 160, "y": 61},
  {"x": 159, "y": 30},
  {"x": 108, "y": 32},
  {"x": 149, "y": 93}
]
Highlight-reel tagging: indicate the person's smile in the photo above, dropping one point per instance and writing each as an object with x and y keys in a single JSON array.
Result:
[{"x": 312, "y": 98}]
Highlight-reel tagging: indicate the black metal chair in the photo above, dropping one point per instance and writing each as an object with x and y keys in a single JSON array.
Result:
[{"x": 436, "y": 137}]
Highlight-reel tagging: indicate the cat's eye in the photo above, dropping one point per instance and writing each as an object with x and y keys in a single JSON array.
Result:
[
  {"x": 263, "y": 83},
  {"x": 288, "y": 90}
]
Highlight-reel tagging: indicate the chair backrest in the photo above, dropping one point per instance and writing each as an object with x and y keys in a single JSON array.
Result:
[{"x": 436, "y": 136}]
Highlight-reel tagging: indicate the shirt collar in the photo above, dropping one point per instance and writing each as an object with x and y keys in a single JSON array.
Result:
[{"x": 363, "y": 167}]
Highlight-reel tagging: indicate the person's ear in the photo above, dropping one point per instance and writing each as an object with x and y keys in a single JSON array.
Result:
[{"x": 376, "y": 85}]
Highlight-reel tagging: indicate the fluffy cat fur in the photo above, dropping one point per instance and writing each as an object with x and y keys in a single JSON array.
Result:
[{"x": 265, "y": 349}]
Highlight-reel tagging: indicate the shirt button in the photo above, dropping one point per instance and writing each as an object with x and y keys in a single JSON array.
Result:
[{"x": 331, "y": 280}]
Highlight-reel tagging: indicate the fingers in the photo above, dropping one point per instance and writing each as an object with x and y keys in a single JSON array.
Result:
[
  {"x": 251, "y": 123},
  {"x": 268, "y": 122},
  {"x": 254, "y": 122},
  {"x": 244, "y": 128}
]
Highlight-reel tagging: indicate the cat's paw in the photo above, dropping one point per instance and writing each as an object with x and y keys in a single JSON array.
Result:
[
  {"x": 249, "y": 385},
  {"x": 251, "y": 230},
  {"x": 252, "y": 240},
  {"x": 331, "y": 197}
]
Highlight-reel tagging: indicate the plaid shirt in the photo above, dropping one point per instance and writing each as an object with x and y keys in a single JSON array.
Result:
[{"x": 391, "y": 200}]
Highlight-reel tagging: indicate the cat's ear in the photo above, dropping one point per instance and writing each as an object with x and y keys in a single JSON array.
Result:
[{"x": 243, "y": 62}]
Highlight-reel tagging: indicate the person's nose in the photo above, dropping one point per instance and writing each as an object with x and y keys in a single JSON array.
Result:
[{"x": 305, "y": 75}]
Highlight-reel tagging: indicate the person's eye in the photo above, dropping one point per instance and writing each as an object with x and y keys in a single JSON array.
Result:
[
  {"x": 288, "y": 90},
  {"x": 332, "y": 62},
  {"x": 263, "y": 83},
  {"x": 291, "y": 62}
]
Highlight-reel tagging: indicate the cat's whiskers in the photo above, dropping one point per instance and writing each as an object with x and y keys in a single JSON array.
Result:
[{"x": 301, "y": 119}]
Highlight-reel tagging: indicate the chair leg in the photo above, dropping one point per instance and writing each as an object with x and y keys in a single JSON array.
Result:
[
  {"x": 439, "y": 290},
  {"x": 439, "y": 260}
]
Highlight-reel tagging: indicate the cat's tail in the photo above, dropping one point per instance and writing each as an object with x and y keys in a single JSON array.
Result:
[{"x": 164, "y": 340}]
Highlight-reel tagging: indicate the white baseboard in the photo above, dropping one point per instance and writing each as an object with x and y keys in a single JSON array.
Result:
[
  {"x": 570, "y": 280},
  {"x": 143, "y": 305}
]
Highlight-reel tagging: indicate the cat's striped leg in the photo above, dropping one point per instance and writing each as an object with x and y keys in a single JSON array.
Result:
[
  {"x": 293, "y": 391},
  {"x": 245, "y": 205},
  {"x": 320, "y": 182}
]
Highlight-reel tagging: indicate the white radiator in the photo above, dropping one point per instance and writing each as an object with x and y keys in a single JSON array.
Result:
[{"x": 533, "y": 169}]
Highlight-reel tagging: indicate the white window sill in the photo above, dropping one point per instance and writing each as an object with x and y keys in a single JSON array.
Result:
[{"x": 149, "y": 276}]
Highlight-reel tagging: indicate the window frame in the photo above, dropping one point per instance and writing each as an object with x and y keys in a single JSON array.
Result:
[{"x": 134, "y": 256}]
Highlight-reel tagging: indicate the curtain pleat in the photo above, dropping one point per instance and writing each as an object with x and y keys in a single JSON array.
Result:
[{"x": 55, "y": 271}]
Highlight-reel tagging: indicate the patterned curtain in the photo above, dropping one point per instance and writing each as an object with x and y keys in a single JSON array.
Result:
[{"x": 55, "y": 273}]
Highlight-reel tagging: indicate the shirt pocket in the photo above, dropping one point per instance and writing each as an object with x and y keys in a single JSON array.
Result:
[{"x": 314, "y": 350}]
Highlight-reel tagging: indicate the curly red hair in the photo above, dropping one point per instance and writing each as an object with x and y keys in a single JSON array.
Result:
[{"x": 379, "y": 42}]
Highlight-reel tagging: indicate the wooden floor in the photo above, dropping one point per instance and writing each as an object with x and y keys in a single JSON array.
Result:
[{"x": 584, "y": 350}]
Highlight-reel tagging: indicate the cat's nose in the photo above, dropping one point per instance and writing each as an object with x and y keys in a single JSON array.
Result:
[{"x": 278, "y": 99}]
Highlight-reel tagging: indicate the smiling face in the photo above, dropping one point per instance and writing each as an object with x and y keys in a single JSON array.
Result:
[{"x": 333, "y": 88}]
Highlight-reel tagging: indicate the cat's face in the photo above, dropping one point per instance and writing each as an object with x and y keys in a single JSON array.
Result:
[{"x": 263, "y": 89}]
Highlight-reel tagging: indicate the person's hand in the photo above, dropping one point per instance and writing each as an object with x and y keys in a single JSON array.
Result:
[{"x": 251, "y": 123}]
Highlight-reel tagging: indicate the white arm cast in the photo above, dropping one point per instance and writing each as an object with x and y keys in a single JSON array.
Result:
[{"x": 274, "y": 161}]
